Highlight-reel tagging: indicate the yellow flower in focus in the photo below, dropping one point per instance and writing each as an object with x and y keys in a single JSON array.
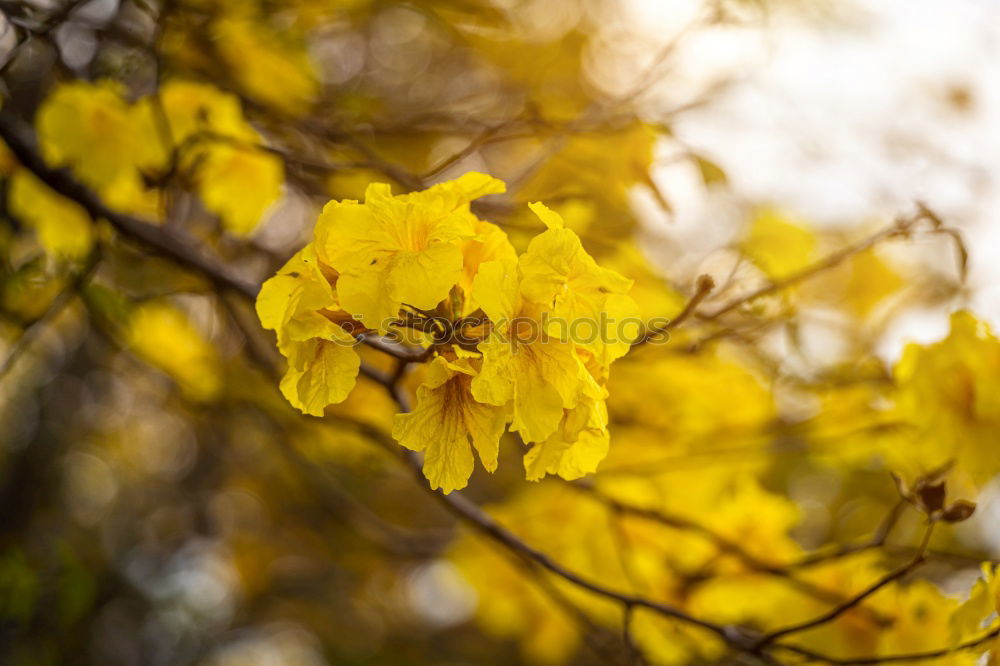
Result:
[
  {"x": 586, "y": 303},
  {"x": 541, "y": 375},
  {"x": 395, "y": 250},
  {"x": 576, "y": 447},
  {"x": 445, "y": 419},
  {"x": 299, "y": 305}
]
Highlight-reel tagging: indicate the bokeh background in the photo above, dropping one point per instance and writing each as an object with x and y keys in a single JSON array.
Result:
[{"x": 160, "y": 504}]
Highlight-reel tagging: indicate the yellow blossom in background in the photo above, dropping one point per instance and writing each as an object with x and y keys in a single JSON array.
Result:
[
  {"x": 239, "y": 185},
  {"x": 949, "y": 392},
  {"x": 64, "y": 229},
  {"x": 778, "y": 244},
  {"x": 258, "y": 58},
  {"x": 163, "y": 336}
]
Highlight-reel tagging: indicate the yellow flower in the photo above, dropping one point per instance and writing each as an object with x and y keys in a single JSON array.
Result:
[
  {"x": 236, "y": 180},
  {"x": 183, "y": 112},
  {"x": 577, "y": 446},
  {"x": 950, "y": 391},
  {"x": 586, "y": 304},
  {"x": 299, "y": 305},
  {"x": 239, "y": 184},
  {"x": 268, "y": 68},
  {"x": 445, "y": 419},
  {"x": 395, "y": 250},
  {"x": 64, "y": 228},
  {"x": 88, "y": 126},
  {"x": 542, "y": 375},
  {"x": 778, "y": 244},
  {"x": 163, "y": 336}
]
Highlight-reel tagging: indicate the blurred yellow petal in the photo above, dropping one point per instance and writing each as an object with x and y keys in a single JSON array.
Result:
[
  {"x": 163, "y": 336},
  {"x": 64, "y": 228},
  {"x": 239, "y": 184}
]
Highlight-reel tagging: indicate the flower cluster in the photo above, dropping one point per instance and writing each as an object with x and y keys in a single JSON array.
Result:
[{"x": 510, "y": 354}]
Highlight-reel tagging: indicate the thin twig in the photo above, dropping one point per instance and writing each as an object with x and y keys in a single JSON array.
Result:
[
  {"x": 58, "y": 304},
  {"x": 902, "y": 227},
  {"x": 839, "y": 610},
  {"x": 703, "y": 288},
  {"x": 894, "y": 658}
]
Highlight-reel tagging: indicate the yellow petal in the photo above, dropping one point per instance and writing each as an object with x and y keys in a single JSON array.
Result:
[
  {"x": 541, "y": 378},
  {"x": 239, "y": 184},
  {"x": 348, "y": 237},
  {"x": 551, "y": 218},
  {"x": 445, "y": 418},
  {"x": 288, "y": 303},
  {"x": 423, "y": 279},
  {"x": 573, "y": 450},
  {"x": 320, "y": 373},
  {"x": 395, "y": 250},
  {"x": 489, "y": 244},
  {"x": 163, "y": 336},
  {"x": 495, "y": 289},
  {"x": 366, "y": 295},
  {"x": 64, "y": 228}
]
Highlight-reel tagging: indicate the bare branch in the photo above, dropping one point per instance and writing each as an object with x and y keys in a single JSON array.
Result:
[
  {"x": 703, "y": 288},
  {"x": 901, "y": 228},
  {"x": 21, "y": 141},
  {"x": 837, "y": 611},
  {"x": 58, "y": 304}
]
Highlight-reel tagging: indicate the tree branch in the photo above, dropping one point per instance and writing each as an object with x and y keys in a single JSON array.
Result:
[
  {"x": 902, "y": 227},
  {"x": 21, "y": 141},
  {"x": 837, "y": 611}
]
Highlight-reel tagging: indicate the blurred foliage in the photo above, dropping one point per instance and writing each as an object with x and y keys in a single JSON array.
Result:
[{"x": 162, "y": 502}]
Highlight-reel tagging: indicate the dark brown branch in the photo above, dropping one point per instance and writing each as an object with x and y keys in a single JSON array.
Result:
[
  {"x": 895, "y": 658},
  {"x": 722, "y": 542},
  {"x": 56, "y": 307},
  {"x": 877, "y": 540},
  {"x": 21, "y": 141},
  {"x": 854, "y": 601}
]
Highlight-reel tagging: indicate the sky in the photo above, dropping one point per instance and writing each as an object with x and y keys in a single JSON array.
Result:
[{"x": 844, "y": 115}]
